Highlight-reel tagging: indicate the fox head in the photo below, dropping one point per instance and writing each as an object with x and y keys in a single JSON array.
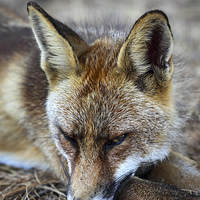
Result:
[{"x": 109, "y": 103}]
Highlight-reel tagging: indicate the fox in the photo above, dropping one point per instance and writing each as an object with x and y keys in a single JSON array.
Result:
[{"x": 97, "y": 111}]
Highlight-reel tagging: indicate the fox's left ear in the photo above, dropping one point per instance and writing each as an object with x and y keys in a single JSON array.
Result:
[
  {"x": 146, "y": 55},
  {"x": 60, "y": 46}
]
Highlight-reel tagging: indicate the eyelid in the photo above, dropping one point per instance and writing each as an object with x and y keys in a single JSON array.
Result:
[
  {"x": 112, "y": 144},
  {"x": 70, "y": 139}
]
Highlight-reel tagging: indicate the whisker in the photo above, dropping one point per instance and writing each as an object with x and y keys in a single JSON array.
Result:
[
  {"x": 65, "y": 173},
  {"x": 47, "y": 137}
]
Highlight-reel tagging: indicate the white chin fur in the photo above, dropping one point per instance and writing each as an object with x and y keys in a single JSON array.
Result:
[{"x": 131, "y": 164}]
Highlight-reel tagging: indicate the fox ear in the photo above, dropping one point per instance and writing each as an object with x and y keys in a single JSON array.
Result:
[
  {"x": 146, "y": 55},
  {"x": 60, "y": 46}
]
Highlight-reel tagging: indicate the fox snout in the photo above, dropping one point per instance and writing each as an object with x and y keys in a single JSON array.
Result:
[
  {"x": 85, "y": 181},
  {"x": 90, "y": 187},
  {"x": 89, "y": 179}
]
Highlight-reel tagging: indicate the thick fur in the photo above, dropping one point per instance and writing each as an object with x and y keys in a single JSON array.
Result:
[{"x": 99, "y": 114}]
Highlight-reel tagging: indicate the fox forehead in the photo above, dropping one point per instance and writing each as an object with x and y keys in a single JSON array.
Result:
[
  {"x": 99, "y": 64},
  {"x": 107, "y": 112}
]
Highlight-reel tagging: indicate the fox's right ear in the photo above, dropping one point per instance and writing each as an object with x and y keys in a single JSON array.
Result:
[{"x": 60, "y": 46}]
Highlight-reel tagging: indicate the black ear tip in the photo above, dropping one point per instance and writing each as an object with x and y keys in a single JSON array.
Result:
[
  {"x": 32, "y": 3},
  {"x": 155, "y": 12},
  {"x": 35, "y": 6},
  {"x": 160, "y": 12}
]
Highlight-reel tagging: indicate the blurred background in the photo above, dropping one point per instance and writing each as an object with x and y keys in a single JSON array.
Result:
[{"x": 184, "y": 16}]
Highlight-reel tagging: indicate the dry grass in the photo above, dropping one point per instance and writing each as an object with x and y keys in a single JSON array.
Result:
[{"x": 18, "y": 184}]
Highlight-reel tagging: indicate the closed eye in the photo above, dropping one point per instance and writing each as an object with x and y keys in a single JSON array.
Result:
[
  {"x": 70, "y": 139},
  {"x": 116, "y": 141}
]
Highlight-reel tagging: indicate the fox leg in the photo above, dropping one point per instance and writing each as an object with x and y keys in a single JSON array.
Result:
[
  {"x": 179, "y": 171},
  {"x": 139, "y": 189},
  {"x": 16, "y": 148},
  {"x": 175, "y": 178}
]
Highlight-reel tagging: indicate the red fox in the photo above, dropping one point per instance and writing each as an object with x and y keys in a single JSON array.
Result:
[{"x": 99, "y": 113}]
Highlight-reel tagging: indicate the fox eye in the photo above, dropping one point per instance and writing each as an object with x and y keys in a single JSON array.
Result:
[
  {"x": 70, "y": 139},
  {"x": 116, "y": 141}
]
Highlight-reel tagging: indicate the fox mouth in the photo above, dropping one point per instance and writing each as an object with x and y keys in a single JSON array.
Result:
[{"x": 117, "y": 186}]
